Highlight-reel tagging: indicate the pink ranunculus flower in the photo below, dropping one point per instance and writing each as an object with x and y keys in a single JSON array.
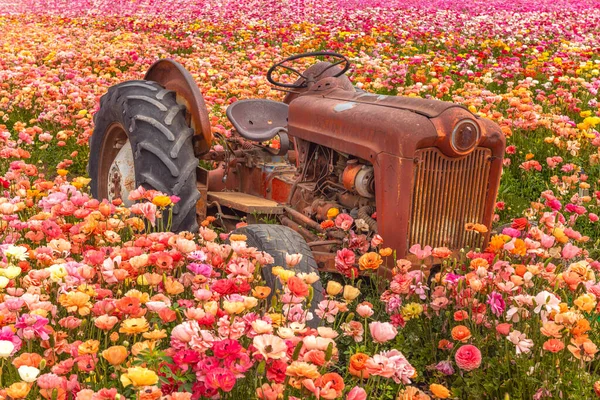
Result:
[
  {"x": 421, "y": 253},
  {"x": 382, "y": 331},
  {"x": 356, "y": 393},
  {"x": 570, "y": 251},
  {"x": 468, "y": 357},
  {"x": 344, "y": 221}
]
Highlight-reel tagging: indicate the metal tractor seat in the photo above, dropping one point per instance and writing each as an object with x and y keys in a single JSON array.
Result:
[{"x": 259, "y": 120}]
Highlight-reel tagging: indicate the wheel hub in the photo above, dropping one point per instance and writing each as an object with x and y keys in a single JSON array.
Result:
[{"x": 121, "y": 175}]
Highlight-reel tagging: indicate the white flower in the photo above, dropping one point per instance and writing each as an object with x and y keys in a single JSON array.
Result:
[
  {"x": 292, "y": 259},
  {"x": 520, "y": 340},
  {"x": 547, "y": 300},
  {"x": 3, "y": 282},
  {"x": 6, "y": 348},
  {"x": 16, "y": 253},
  {"x": 28, "y": 374}
]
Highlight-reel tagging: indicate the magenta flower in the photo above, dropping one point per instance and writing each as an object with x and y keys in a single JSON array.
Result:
[
  {"x": 496, "y": 303},
  {"x": 30, "y": 326}
]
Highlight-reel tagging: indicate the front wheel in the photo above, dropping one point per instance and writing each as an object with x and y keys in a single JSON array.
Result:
[
  {"x": 141, "y": 137},
  {"x": 277, "y": 240}
]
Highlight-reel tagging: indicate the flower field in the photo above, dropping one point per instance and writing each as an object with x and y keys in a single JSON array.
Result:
[{"x": 96, "y": 302}]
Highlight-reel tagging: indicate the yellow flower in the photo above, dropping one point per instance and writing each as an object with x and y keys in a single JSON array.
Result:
[
  {"x": 236, "y": 237},
  {"x": 139, "y": 376},
  {"x": 80, "y": 182},
  {"x": 11, "y": 272},
  {"x": 161, "y": 201},
  {"x": 350, "y": 293},
  {"x": 334, "y": 288},
  {"x": 233, "y": 307},
  {"x": 586, "y": 302},
  {"x": 411, "y": 310},
  {"x": 585, "y": 114},
  {"x": 156, "y": 334},
  {"x": 62, "y": 172},
  {"x": 132, "y": 326},
  {"x": 332, "y": 213},
  {"x": 439, "y": 391}
]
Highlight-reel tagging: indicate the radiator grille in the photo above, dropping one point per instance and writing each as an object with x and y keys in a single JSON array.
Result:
[{"x": 447, "y": 194}]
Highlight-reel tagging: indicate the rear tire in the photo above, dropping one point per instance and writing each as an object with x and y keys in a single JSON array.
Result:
[
  {"x": 161, "y": 142},
  {"x": 278, "y": 240}
]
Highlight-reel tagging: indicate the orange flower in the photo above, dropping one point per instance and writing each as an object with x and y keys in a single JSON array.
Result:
[
  {"x": 129, "y": 305},
  {"x": 88, "y": 347},
  {"x": 551, "y": 329},
  {"x": 236, "y": 237},
  {"x": 520, "y": 248},
  {"x": 302, "y": 370},
  {"x": 18, "y": 390},
  {"x": 208, "y": 220},
  {"x": 76, "y": 301},
  {"x": 496, "y": 243},
  {"x": 461, "y": 333},
  {"x": 583, "y": 348},
  {"x": 581, "y": 327},
  {"x": 479, "y": 262},
  {"x": 480, "y": 228},
  {"x": 334, "y": 380},
  {"x": 445, "y": 344},
  {"x": 115, "y": 355},
  {"x": 173, "y": 287},
  {"x": 358, "y": 361},
  {"x": 369, "y": 260},
  {"x": 297, "y": 287},
  {"x": 261, "y": 292},
  {"x": 150, "y": 393},
  {"x": 28, "y": 359},
  {"x": 439, "y": 391},
  {"x": 520, "y": 269},
  {"x": 327, "y": 224},
  {"x": 553, "y": 345},
  {"x": 386, "y": 252}
]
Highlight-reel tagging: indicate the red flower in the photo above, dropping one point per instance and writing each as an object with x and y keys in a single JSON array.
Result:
[
  {"x": 276, "y": 371},
  {"x": 519, "y": 223}
]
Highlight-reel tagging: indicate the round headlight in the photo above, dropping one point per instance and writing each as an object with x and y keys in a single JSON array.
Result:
[{"x": 465, "y": 136}]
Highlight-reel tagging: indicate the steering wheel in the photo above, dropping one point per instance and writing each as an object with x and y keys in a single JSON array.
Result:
[{"x": 306, "y": 79}]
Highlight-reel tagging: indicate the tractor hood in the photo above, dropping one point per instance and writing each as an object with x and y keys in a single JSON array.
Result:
[{"x": 365, "y": 124}]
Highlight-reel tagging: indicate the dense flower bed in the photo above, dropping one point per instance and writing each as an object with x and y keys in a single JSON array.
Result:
[{"x": 97, "y": 302}]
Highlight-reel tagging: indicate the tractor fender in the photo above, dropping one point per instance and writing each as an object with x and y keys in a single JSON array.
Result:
[{"x": 173, "y": 76}]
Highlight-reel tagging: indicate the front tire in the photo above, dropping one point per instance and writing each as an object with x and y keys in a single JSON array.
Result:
[
  {"x": 278, "y": 240},
  {"x": 147, "y": 117}
]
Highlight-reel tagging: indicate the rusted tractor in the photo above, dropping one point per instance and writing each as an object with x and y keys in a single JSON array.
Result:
[{"x": 414, "y": 170}]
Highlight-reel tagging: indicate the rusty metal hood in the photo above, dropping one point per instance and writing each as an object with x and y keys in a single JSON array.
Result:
[
  {"x": 424, "y": 107},
  {"x": 365, "y": 124}
]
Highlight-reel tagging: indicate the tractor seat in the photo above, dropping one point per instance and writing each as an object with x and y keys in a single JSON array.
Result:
[{"x": 258, "y": 120}]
